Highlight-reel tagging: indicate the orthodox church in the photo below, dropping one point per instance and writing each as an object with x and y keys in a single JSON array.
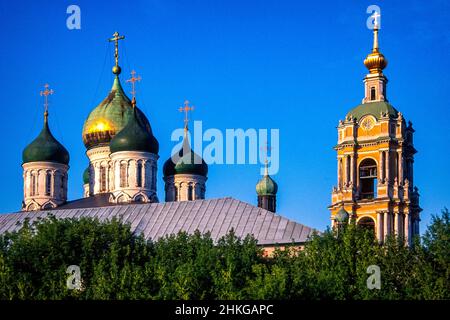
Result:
[
  {"x": 121, "y": 179},
  {"x": 375, "y": 156}
]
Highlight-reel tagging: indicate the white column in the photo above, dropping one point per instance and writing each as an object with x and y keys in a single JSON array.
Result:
[
  {"x": 386, "y": 223},
  {"x": 408, "y": 228},
  {"x": 400, "y": 167},
  {"x": 96, "y": 178},
  {"x": 145, "y": 183},
  {"x": 396, "y": 223},
  {"x": 107, "y": 177},
  {"x": 27, "y": 184},
  {"x": 131, "y": 174},
  {"x": 380, "y": 226}
]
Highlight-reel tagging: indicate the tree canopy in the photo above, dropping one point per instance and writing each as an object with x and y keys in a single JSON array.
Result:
[{"x": 114, "y": 263}]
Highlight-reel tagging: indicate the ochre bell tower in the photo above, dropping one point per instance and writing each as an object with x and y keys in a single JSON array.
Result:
[{"x": 375, "y": 158}]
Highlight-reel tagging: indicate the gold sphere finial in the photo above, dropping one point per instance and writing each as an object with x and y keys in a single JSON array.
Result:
[
  {"x": 116, "y": 70},
  {"x": 375, "y": 61}
]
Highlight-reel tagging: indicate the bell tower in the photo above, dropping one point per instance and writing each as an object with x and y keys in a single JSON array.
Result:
[{"x": 375, "y": 158}]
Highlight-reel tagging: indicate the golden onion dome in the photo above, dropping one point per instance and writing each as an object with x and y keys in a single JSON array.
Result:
[
  {"x": 375, "y": 61},
  {"x": 109, "y": 117}
]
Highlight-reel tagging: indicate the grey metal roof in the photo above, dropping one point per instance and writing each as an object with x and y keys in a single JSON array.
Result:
[{"x": 155, "y": 220}]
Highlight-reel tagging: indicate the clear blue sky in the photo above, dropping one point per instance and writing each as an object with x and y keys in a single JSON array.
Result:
[{"x": 244, "y": 64}]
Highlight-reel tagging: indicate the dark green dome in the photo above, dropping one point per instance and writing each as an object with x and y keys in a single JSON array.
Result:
[
  {"x": 373, "y": 108},
  {"x": 266, "y": 186},
  {"x": 45, "y": 148},
  {"x": 86, "y": 176},
  {"x": 189, "y": 163},
  {"x": 134, "y": 137},
  {"x": 341, "y": 216}
]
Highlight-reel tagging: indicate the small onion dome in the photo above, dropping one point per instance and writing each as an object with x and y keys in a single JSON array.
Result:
[
  {"x": 134, "y": 137},
  {"x": 185, "y": 161},
  {"x": 86, "y": 176},
  {"x": 109, "y": 117},
  {"x": 341, "y": 216},
  {"x": 266, "y": 186},
  {"x": 45, "y": 148},
  {"x": 375, "y": 62}
]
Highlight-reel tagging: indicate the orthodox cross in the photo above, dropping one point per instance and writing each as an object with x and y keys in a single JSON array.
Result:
[
  {"x": 133, "y": 80},
  {"x": 375, "y": 17},
  {"x": 265, "y": 149},
  {"x": 186, "y": 110},
  {"x": 116, "y": 39},
  {"x": 47, "y": 92}
]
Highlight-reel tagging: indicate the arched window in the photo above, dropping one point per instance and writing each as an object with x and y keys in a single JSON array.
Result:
[
  {"x": 176, "y": 193},
  {"x": 123, "y": 175},
  {"x": 190, "y": 191},
  {"x": 367, "y": 223},
  {"x": 63, "y": 185},
  {"x": 121, "y": 199},
  {"x": 153, "y": 177},
  {"x": 340, "y": 173},
  {"x": 139, "y": 174},
  {"x": 33, "y": 184},
  {"x": 48, "y": 183},
  {"x": 368, "y": 178},
  {"x": 102, "y": 179},
  {"x": 139, "y": 198},
  {"x": 48, "y": 206},
  {"x": 372, "y": 93}
]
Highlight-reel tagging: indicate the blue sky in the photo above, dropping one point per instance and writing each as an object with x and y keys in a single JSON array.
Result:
[{"x": 287, "y": 65}]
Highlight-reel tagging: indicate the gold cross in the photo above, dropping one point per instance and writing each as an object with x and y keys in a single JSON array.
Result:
[
  {"x": 46, "y": 93},
  {"x": 186, "y": 109},
  {"x": 133, "y": 80},
  {"x": 116, "y": 45}
]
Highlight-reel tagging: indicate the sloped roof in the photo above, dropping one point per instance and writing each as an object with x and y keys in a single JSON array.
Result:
[{"x": 156, "y": 220}]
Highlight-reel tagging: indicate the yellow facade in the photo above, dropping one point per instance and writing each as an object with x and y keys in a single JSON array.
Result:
[{"x": 375, "y": 157}]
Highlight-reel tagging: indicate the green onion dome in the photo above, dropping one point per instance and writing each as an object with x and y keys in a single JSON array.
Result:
[
  {"x": 134, "y": 137},
  {"x": 185, "y": 161},
  {"x": 341, "y": 216},
  {"x": 45, "y": 148},
  {"x": 86, "y": 176},
  {"x": 266, "y": 186},
  {"x": 109, "y": 117}
]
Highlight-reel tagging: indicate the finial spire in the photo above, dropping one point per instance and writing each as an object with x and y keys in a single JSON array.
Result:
[
  {"x": 375, "y": 61},
  {"x": 376, "y": 27},
  {"x": 46, "y": 93},
  {"x": 186, "y": 110},
  {"x": 116, "y": 37},
  {"x": 133, "y": 80},
  {"x": 266, "y": 149}
]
